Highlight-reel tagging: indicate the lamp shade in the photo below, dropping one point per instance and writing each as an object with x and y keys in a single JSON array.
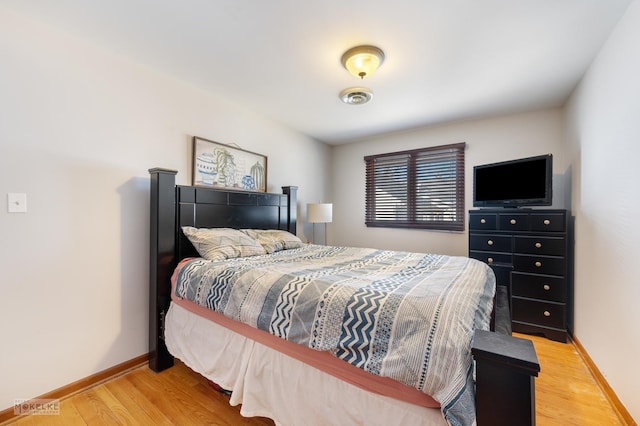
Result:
[{"x": 320, "y": 213}]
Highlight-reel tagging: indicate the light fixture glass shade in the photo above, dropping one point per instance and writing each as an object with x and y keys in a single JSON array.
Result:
[
  {"x": 362, "y": 61},
  {"x": 320, "y": 213}
]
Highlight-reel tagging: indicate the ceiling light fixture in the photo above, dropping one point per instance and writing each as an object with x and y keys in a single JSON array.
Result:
[
  {"x": 362, "y": 61},
  {"x": 356, "y": 95}
]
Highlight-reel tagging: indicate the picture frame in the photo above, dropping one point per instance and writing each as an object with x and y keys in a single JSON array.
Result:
[{"x": 224, "y": 166}]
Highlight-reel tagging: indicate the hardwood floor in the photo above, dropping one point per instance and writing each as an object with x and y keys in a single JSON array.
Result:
[{"x": 566, "y": 394}]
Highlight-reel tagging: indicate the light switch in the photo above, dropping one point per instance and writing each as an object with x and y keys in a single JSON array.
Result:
[{"x": 16, "y": 203}]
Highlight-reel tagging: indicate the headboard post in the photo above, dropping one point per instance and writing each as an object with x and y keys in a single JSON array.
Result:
[
  {"x": 292, "y": 195},
  {"x": 162, "y": 261}
]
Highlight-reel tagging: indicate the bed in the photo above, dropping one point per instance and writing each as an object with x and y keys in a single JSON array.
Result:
[{"x": 354, "y": 353}]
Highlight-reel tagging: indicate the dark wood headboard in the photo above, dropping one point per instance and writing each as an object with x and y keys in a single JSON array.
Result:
[{"x": 175, "y": 206}]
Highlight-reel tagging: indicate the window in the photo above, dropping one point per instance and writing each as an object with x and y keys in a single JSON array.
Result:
[{"x": 421, "y": 188}]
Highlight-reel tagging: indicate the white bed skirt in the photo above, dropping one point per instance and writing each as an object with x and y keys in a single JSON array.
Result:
[{"x": 270, "y": 384}]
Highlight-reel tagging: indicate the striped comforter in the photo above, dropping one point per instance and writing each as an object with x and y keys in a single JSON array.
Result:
[{"x": 407, "y": 316}]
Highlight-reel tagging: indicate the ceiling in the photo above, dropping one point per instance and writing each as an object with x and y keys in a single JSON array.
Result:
[{"x": 445, "y": 60}]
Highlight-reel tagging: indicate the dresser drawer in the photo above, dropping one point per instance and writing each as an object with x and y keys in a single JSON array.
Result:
[
  {"x": 502, "y": 273},
  {"x": 513, "y": 221},
  {"x": 538, "y": 286},
  {"x": 483, "y": 222},
  {"x": 539, "y": 264},
  {"x": 548, "y": 314},
  {"x": 490, "y": 242},
  {"x": 491, "y": 258},
  {"x": 551, "y": 246},
  {"x": 548, "y": 222}
]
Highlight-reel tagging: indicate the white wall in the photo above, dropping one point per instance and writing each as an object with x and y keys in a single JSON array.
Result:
[
  {"x": 79, "y": 127},
  {"x": 488, "y": 141},
  {"x": 603, "y": 121}
]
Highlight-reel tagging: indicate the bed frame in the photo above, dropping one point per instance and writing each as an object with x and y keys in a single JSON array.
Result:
[{"x": 506, "y": 366}]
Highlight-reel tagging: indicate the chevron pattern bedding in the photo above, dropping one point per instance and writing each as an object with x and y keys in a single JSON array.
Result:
[{"x": 407, "y": 316}]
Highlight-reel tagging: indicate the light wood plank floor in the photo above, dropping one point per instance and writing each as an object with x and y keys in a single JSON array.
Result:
[{"x": 566, "y": 394}]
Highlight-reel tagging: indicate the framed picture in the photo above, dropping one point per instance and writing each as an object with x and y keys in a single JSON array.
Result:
[{"x": 224, "y": 166}]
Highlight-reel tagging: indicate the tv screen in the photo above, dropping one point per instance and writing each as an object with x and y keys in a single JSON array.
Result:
[{"x": 515, "y": 183}]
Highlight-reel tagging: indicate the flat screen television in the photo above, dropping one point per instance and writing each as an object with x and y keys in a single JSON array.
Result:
[{"x": 516, "y": 183}]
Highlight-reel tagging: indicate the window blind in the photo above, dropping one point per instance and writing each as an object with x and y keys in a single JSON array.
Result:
[{"x": 422, "y": 188}]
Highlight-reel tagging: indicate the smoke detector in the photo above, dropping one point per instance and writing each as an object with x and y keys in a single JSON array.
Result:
[{"x": 356, "y": 95}]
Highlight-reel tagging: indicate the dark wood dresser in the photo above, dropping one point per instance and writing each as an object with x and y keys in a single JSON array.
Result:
[{"x": 530, "y": 252}]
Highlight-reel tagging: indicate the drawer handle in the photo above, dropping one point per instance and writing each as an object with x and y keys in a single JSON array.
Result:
[
  {"x": 547, "y": 313},
  {"x": 490, "y": 242},
  {"x": 513, "y": 221},
  {"x": 547, "y": 222},
  {"x": 538, "y": 264},
  {"x": 490, "y": 260},
  {"x": 538, "y": 245},
  {"x": 483, "y": 220},
  {"x": 546, "y": 287}
]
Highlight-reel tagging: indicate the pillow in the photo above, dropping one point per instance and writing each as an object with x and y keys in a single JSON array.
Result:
[
  {"x": 274, "y": 240},
  {"x": 222, "y": 243}
]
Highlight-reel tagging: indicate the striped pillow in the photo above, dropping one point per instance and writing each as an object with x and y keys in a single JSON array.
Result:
[
  {"x": 274, "y": 240},
  {"x": 222, "y": 243}
]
